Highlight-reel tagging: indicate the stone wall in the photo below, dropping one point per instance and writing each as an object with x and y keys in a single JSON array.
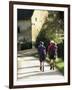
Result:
[{"x": 38, "y": 19}]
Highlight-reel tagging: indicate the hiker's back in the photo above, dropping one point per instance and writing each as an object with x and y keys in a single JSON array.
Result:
[
  {"x": 41, "y": 49},
  {"x": 52, "y": 49}
]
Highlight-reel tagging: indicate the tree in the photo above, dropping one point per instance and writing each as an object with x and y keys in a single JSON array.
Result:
[{"x": 52, "y": 28}]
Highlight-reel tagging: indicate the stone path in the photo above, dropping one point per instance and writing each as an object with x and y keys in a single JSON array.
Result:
[{"x": 28, "y": 72}]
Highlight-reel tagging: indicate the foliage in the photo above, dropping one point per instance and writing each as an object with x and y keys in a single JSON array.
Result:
[
  {"x": 25, "y": 45},
  {"x": 52, "y": 29},
  {"x": 60, "y": 51},
  {"x": 60, "y": 65},
  {"x": 41, "y": 37}
]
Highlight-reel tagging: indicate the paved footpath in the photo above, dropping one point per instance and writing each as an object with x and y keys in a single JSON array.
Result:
[{"x": 29, "y": 72}]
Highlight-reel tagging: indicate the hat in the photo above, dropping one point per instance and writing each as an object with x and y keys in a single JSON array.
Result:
[
  {"x": 42, "y": 43},
  {"x": 52, "y": 41}
]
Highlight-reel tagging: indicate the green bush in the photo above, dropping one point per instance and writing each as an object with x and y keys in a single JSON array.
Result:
[
  {"x": 27, "y": 45},
  {"x": 42, "y": 37},
  {"x": 60, "y": 50}
]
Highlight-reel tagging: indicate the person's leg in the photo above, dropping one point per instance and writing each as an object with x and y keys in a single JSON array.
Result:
[
  {"x": 50, "y": 57},
  {"x": 42, "y": 65},
  {"x": 50, "y": 64},
  {"x": 53, "y": 64}
]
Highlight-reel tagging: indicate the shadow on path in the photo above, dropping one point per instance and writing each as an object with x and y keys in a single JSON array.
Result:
[
  {"x": 41, "y": 74},
  {"x": 28, "y": 72},
  {"x": 29, "y": 59},
  {"x": 31, "y": 67}
]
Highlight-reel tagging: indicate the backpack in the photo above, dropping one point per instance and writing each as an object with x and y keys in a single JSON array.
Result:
[
  {"x": 52, "y": 49},
  {"x": 42, "y": 50}
]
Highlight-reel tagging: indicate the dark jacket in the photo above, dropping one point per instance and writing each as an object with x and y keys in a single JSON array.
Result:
[{"x": 42, "y": 51}]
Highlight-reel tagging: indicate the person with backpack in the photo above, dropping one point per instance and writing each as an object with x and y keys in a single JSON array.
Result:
[
  {"x": 42, "y": 54},
  {"x": 52, "y": 50}
]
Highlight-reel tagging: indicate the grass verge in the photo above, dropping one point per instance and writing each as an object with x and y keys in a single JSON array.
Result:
[{"x": 60, "y": 65}]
